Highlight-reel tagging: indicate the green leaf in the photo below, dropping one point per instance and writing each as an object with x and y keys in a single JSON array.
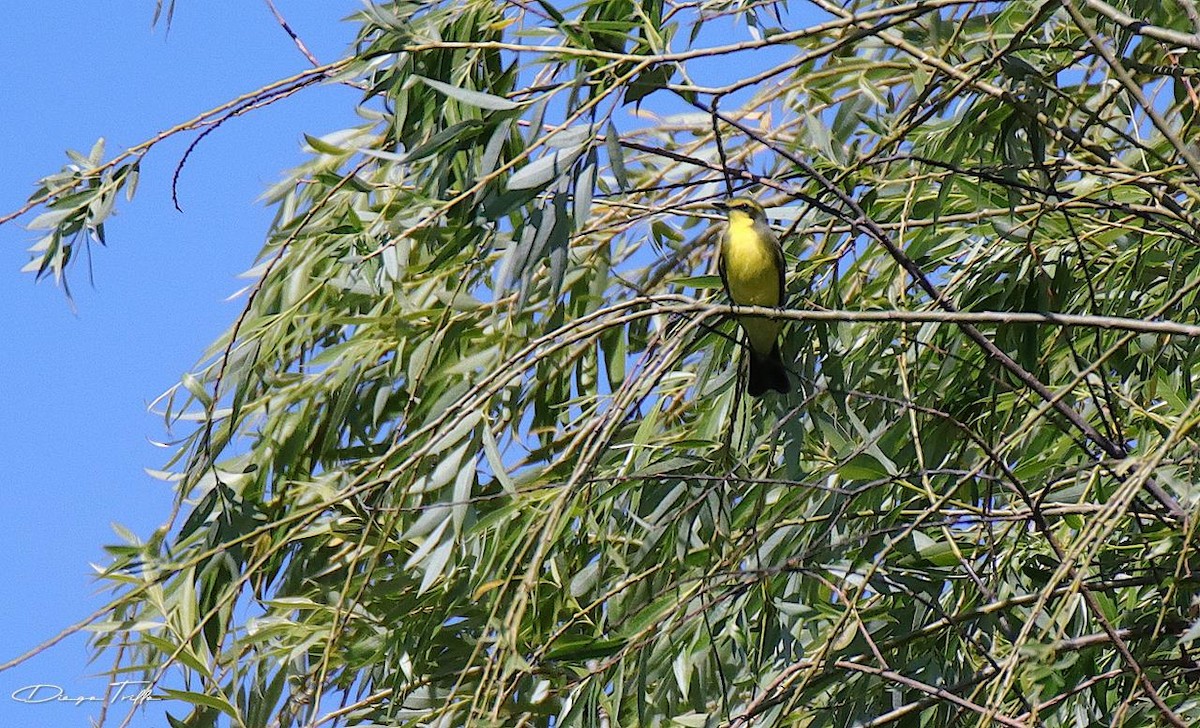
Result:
[
  {"x": 583, "y": 648},
  {"x": 323, "y": 147},
  {"x": 216, "y": 702},
  {"x": 652, "y": 79},
  {"x": 705, "y": 282},
  {"x": 468, "y": 96},
  {"x": 436, "y": 565},
  {"x": 547, "y": 168},
  {"x": 616, "y": 156}
]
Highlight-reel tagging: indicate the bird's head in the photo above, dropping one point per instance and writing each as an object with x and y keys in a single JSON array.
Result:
[{"x": 741, "y": 209}]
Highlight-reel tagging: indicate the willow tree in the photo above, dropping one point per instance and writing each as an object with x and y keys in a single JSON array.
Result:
[{"x": 476, "y": 449}]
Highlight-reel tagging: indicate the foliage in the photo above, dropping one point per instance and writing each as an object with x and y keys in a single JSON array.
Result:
[{"x": 470, "y": 455}]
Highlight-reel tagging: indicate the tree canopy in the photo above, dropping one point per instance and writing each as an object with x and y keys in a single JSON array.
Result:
[{"x": 476, "y": 449}]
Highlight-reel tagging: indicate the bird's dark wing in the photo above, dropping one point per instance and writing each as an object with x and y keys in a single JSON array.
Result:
[
  {"x": 777, "y": 253},
  {"x": 780, "y": 264},
  {"x": 721, "y": 263}
]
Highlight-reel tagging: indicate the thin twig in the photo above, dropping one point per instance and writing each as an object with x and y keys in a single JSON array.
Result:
[{"x": 283, "y": 23}]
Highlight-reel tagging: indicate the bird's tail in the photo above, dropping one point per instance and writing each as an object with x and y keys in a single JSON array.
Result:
[{"x": 767, "y": 372}]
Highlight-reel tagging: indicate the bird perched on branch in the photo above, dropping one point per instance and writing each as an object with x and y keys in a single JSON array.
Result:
[{"x": 751, "y": 266}]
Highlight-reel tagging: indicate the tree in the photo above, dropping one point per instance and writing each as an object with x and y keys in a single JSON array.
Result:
[{"x": 476, "y": 449}]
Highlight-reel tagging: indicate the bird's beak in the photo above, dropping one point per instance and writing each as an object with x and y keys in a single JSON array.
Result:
[{"x": 721, "y": 205}]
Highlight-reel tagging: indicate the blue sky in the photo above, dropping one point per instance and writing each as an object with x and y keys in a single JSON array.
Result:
[{"x": 75, "y": 432}]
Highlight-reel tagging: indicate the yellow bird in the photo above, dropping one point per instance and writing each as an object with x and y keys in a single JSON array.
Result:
[{"x": 751, "y": 266}]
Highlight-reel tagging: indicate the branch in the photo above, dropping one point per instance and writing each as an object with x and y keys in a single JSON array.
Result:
[
  {"x": 208, "y": 117},
  {"x": 1141, "y": 27},
  {"x": 1035, "y": 318},
  {"x": 775, "y": 692}
]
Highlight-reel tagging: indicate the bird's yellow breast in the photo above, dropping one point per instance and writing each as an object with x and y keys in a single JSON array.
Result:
[{"x": 750, "y": 266}]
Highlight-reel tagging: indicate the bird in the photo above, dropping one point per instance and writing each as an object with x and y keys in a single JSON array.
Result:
[{"x": 750, "y": 261}]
